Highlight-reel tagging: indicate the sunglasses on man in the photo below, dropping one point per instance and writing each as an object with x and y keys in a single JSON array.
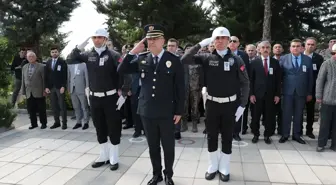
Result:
[
  {"x": 234, "y": 41},
  {"x": 333, "y": 53}
]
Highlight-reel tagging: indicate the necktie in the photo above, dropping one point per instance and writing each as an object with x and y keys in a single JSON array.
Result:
[
  {"x": 53, "y": 64},
  {"x": 297, "y": 62},
  {"x": 156, "y": 61},
  {"x": 30, "y": 70},
  {"x": 265, "y": 66}
]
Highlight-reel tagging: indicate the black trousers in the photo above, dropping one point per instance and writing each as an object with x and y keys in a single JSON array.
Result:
[
  {"x": 37, "y": 105},
  {"x": 106, "y": 118},
  {"x": 327, "y": 122},
  {"x": 263, "y": 106},
  {"x": 220, "y": 119},
  {"x": 310, "y": 109},
  {"x": 58, "y": 105},
  {"x": 135, "y": 115},
  {"x": 243, "y": 120},
  {"x": 128, "y": 111},
  {"x": 278, "y": 113},
  {"x": 160, "y": 130}
]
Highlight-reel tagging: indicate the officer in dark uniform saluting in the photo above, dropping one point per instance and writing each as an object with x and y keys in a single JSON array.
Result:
[
  {"x": 161, "y": 97},
  {"x": 104, "y": 82},
  {"x": 225, "y": 77}
]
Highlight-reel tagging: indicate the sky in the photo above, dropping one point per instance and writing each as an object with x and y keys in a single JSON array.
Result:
[{"x": 83, "y": 22}]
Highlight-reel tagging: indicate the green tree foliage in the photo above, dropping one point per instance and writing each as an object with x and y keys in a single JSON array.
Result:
[
  {"x": 290, "y": 18},
  {"x": 6, "y": 52},
  {"x": 49, "y": 40},
  {"x": 28, "y": 21},
  {"x": 183, "y": 19}
]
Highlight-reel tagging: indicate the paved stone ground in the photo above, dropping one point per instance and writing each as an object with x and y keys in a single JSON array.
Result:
[{"x": 56, "y": 157}]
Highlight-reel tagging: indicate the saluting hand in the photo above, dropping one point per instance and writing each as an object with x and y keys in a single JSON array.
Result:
[
  {"x": 177, "y": 119},
  {"x": 276, "y": 99},
  {"x": 253, "y": 99},
  {"x": 139, "y": 47}
]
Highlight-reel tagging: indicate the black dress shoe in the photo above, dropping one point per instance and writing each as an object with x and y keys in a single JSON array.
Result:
[
  {"x": 64, "y": 126},
  {"x": 255, "y": 139},
  {"x": 73, "y": 118},
  {"x": 114, "y": 167},
  {"x": 210, "y": 176},
  {"x": 268, "y": 140},
  {"x": 169, "y": 181},
  {"x": 78, "y": 125},
  {"x": 44, "y": 126},
  {"x": 310, "y": 135},
  {"x": 299, "y": 140},
  {"x": 283, "y": 139},
  {"x": 204, "y": 131},
  {"x": 236, "y": 137},
  {"x": 127, "y": 127},
  {"x": 136, "y": 134},
  {"x": 86, "y": 126},
  {"x": 244, "y": 132},
  {"x": 155, "y": 180},
  {"x": 32, "y": 127},
  {"x": 55, "y": 125},
  {"x": 224, "y": 178},
  {"x": 177, "y": 135},
  {"x": 99, "y": 164}
]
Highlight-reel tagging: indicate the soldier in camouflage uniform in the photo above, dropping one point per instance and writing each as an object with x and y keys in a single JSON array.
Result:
[
  {"x": 326, "y": 53},
  {"x": 193, "y": 94}
]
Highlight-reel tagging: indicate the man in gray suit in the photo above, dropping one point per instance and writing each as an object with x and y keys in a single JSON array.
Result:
[
  {"x": 78, "y": 80},
  {"x": 297, "y": 89},
  {"x": 33, "y": 89}
]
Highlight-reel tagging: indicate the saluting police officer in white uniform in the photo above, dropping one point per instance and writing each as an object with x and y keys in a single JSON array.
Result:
[
  {"x": 225, "y": 76},
  {"x": 104, "y": 81}
]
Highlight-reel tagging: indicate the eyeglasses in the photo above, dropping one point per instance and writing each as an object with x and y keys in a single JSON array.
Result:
[
  {"x": 234, "y": 41},
  {"x": 333, "y": 53}
]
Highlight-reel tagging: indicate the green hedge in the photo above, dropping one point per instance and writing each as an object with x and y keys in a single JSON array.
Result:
[
  {"x": 23, "y": 104},
  {"x": 7, "y": 115}
]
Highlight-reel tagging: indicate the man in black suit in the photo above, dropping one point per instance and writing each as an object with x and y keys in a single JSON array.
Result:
[
  {"x": 56, "y": 74},
  {"x": 161, "y": 99},
  {"x": 233, "y": 45},
  {"x": 265, "y": 85},
  {"x": 317, "y": 60}
]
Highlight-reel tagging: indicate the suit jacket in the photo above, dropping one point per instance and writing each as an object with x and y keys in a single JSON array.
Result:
[
  {"x": 260, "y": 84},
  {"x": 162, "y": 92},
  {"x": 33, "y": 86},
  {"x": 317, "y": 61},
  {"x": 77, "y": 80},
  {"x": 56, "y": 77},
  {"x": 296, "y": 80},
  {"x": 135, "y": 83}
]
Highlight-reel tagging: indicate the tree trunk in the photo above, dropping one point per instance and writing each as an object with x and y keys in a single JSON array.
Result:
[{"x": 267, "y": 20}]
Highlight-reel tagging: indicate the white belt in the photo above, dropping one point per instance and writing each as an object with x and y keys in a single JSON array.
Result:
[
  {"x": 222, "y": 100},
  {"x": 102, "y": 94}
]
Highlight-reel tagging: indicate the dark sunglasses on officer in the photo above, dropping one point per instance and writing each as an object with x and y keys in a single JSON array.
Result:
[{"x": 234, "y": 41}]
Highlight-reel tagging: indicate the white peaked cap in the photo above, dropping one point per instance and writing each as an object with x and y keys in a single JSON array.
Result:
[
  {"x": 101, "y": 32},
  {"x": 220, "y": 32}
]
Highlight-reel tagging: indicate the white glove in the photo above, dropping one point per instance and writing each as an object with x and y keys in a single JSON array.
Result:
[
  {"x": 205, "y": 42},
  {"x": 82, "y": 46},
  {"x": 239, "y": 112},
  {"x": 120, "y": 102},
  {"x": 204, "y": 90}
]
